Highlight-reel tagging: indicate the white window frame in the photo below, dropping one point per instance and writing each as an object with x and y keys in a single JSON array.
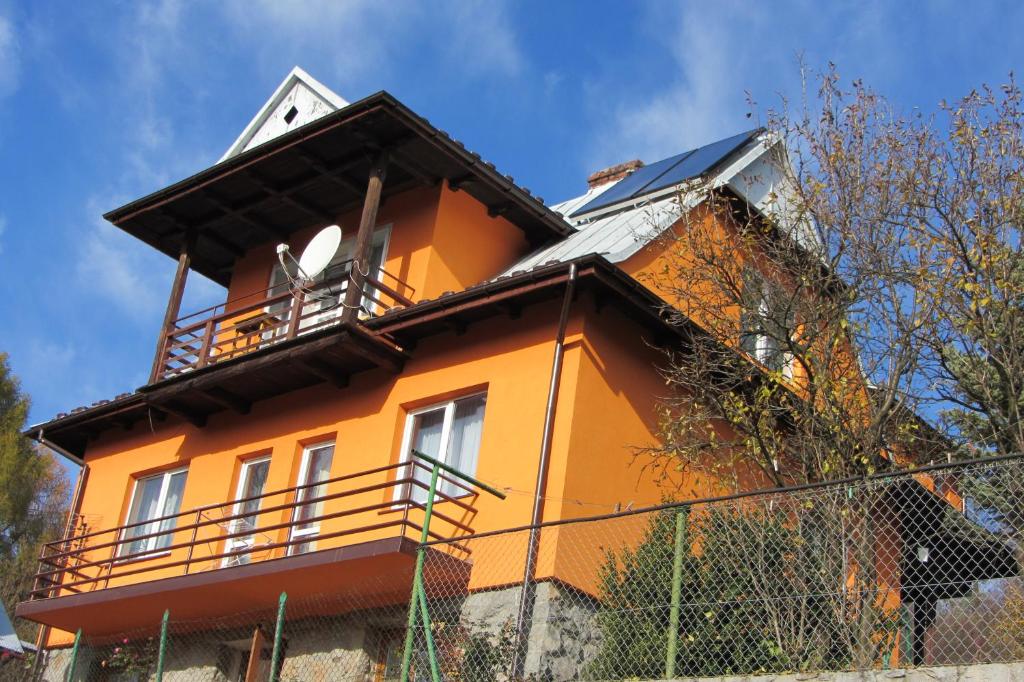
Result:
[
  {"x": 150, "y": 550},
  {"x": 247, "y": 541},
  {"x": 762, "y": 350},
  {"x": 407, "y": 491},
  {"x": 314, "y": 530}
]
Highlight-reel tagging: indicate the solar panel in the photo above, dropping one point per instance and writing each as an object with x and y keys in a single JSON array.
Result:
[{"x": 668, "y": 172}]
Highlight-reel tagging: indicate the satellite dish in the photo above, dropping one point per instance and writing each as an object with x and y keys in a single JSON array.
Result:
[{"x": 319, "y": 252}]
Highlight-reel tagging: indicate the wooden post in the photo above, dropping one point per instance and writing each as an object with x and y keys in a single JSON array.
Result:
[
  {"x": 255, "y": 666},
  {"x": 173, "y": 304},
  {"x": 364, "y": 238}
]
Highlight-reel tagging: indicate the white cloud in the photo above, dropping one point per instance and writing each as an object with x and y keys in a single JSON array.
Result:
[
  {"x": 117, "y": 267},
  {"x": 363, "y": 39},
  {"x": 482, "y": 38},
  {"x": 10, "y": 60},
  {"x": 722, "y": 51}
]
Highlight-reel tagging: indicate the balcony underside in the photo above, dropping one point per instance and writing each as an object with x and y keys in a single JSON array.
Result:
[{"x": 366, "y": 575}]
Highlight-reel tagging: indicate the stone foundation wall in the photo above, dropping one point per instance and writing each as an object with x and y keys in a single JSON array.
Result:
[{"x": 563, "y": 636}]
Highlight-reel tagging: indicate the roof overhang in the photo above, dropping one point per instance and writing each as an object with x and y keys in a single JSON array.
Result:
[{"x": 314, "y": 174}]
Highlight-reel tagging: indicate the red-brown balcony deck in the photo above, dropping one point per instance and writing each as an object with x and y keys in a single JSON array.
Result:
[
  {"x": 267, "y": 343},
  {"x": 368, "y": 523}
]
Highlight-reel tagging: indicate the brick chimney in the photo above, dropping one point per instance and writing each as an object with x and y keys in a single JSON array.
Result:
[{"x": 614, "y": 173}]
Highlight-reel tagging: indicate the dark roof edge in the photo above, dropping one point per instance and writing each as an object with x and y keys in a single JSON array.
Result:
[{"x": 380, "y": 100}]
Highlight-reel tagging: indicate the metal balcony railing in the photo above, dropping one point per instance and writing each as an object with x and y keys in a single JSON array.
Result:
[
  {"x": 268, "y": 317},
  {"x": 380, "y": 503}
]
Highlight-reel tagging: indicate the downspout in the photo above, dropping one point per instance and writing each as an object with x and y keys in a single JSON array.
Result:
[
  {"x": 76, "y": 505},
  {"x": 527, "y": 595}
]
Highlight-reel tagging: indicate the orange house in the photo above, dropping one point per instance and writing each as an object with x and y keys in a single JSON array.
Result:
[{"x": 459, "y": 316}]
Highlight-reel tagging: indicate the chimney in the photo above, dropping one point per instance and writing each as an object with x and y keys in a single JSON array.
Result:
[{"x": 614, "y": 173}]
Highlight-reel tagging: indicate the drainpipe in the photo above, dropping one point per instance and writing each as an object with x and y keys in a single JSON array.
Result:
[
  {"x": 69, "y": 526},
  {"x": 528, "y": 593}
]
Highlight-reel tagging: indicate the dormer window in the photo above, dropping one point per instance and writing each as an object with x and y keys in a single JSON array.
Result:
[{"x": 767, "y": 323}]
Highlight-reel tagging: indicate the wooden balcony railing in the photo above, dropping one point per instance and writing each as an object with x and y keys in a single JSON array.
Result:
[
  {"x": 265, "y": 318},
  {"x": 380, "y": 503}
]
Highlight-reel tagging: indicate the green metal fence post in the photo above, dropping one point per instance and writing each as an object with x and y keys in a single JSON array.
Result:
[
  {"x": 163, "y": 646},
  {"x": 677, "y": 583},
  {"x": 418, "y": 599},
  {"x": 74, "y": 656},
  {"x": 275, "y": 657}
]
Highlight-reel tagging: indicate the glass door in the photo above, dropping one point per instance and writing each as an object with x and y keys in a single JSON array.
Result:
[
  {"x": 315, "y": 468},
  {"x": 252, "y": 480}
]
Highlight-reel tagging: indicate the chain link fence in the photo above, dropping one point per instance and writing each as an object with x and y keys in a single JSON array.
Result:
[{"x": 895, "y": 571}]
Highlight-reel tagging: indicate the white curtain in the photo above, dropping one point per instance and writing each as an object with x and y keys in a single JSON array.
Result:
[
  {"x": 467, "y": 427},
  {"x": 144, "y": 506},
  {"x": 427, "y": 430},
  {"x": 172, "y": 503}
]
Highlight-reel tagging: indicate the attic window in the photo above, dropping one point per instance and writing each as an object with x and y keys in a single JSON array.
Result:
[{"x": 290, "y": 116}]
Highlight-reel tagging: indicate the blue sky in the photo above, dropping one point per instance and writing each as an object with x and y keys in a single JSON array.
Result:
[{"x": 103, "y": 102}]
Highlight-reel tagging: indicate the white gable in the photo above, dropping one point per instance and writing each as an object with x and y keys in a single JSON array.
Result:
[{"x": 298, "y": 100}]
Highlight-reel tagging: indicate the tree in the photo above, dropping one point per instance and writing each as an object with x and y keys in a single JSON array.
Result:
[
  {"x": 805, "y": 317},
  {"x": 33, "y": 498},
  {"x": 761, "y": 592}
]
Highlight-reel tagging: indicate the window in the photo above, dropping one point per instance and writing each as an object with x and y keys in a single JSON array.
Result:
[
  {"x": 449, "y": 432},
  {"x": 767, "y": 322},
  {"x": 252, "y": 479},
  {"x": 154, "y": 497},
  {"x": 314, "y": 468},
  {"x": 326, "y": 305}
]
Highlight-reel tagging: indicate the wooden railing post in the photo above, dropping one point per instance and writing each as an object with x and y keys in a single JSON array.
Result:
[
  {"x": 204, "y": 349},
  {"x": 298, "y": 301}
]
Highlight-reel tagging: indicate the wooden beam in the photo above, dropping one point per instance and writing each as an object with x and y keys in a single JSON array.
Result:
[
  {"x": 456, "y": 183},
  {"x": 239, "y": 214},
  {"x": 287, "y": 196},
  {"x": 321, "y": 369},
  {"x": 227, "y": 399},
  {"x": 254, "y": 669},
  {"x": 499, "y": 209},
  {"x": 335, "y": 175},
  {"x": 512, "y": 309},
  {"x": 414, "y": 169},
  {"x": 457, "y": 325},
  {"x": 173, "y": 309},
  {"x": 225, "y": 244},
  {"x": 196, "y": 419},
  {"x": 364, "y": 237}
]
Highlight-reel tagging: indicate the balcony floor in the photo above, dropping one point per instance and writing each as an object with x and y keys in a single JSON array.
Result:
[{"x": 365, "y": 575}]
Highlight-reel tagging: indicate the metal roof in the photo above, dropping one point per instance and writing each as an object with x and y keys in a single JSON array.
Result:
[{"x": 616, "y": 236}]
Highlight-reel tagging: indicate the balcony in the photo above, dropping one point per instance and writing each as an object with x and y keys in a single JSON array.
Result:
[
  {"x": 263, "y": 319},
  {"x": 191, "y": 376},
  {"x": 353, "y": 537}
]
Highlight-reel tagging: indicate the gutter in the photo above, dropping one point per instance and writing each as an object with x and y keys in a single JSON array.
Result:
[
  {"x": 527, "y": 595},
  {"x": 70, "y": 456}
]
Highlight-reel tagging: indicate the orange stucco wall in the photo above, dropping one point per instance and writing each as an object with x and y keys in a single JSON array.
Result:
[{"x": 440, "y": 240}]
